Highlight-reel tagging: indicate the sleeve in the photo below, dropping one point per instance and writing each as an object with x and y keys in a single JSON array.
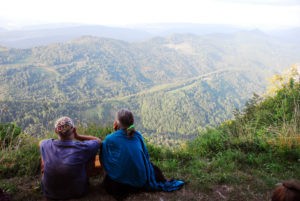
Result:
[
  {"x": 93, "y": 147},
  {"x": 42, "y": 147},
  {"x": 42, "y": 142}
]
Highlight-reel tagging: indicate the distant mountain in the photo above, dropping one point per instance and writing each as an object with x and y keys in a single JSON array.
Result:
[
  {"x": 45, "y": 35},
  {"x": 289, "y": 35},
  {"x": 163, "y": 29},
  {"x": 39, "y": 35},
  {"x": 91, "y": 67},
  {"x": 175, "y": 84}
]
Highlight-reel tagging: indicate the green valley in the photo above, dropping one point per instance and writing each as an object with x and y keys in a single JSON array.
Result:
[{"x": 176, "y": 85}]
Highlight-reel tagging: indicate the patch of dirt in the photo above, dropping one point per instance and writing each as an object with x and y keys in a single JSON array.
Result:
[{"x": 28, "y": 189}]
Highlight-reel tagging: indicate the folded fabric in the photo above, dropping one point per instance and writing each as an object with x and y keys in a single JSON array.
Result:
[
  {"x": 126, "y": 160},
  {"x": 170, "y": 185}
]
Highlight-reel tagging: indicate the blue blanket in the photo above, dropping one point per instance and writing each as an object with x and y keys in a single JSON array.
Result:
[{"x": 126, "y": 160}]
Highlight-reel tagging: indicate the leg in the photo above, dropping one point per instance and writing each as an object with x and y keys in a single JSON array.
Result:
[
  {"x": 93, "y": 167},
  {"x": 42, "y": 165},
  {"x": 118, "y": 190},
  {"x": 159, "y": 177}
]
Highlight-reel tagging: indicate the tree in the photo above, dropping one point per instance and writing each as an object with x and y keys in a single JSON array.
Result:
[{"x": 278, "y": 81}]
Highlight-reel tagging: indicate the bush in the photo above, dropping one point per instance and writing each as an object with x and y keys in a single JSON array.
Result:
[
  {"x": 8, "y": 135},
  {"x": 209, "y": 143},
  {"x": 23, "y": 159}
]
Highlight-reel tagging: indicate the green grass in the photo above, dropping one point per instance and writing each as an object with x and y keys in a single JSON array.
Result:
[{"x": 206, "y": 165}]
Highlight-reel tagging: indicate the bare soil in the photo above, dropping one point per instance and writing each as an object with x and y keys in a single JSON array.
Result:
[{"x": 28, "y": 189}]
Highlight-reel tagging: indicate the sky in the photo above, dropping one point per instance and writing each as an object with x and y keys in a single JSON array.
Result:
[{"x": 251, "y": 13}]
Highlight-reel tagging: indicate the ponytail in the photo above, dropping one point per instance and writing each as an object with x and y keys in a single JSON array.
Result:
[
  {"x": 130, "y": 131},
  {"x": 125, "y": 120}
]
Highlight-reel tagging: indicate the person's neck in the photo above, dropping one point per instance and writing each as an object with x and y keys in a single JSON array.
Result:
[{"x": 67, "y": 138}]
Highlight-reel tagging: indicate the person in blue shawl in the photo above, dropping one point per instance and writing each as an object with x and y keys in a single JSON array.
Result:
[{"x": 125, "y": 158}]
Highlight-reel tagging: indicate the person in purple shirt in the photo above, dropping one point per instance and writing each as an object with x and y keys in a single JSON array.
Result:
[{"x": 64, "y": 161}]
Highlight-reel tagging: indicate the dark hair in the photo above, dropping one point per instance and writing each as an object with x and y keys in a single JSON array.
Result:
[
  {"x": 125, "y": 119},
  {"x": 287, "y": 191}
]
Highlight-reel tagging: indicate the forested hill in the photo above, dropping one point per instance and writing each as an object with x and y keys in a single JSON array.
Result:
[
  {"x": 187, "y": 81},
  {"x": 92, "y": 67},
  {"x": 175, "y": 112}
]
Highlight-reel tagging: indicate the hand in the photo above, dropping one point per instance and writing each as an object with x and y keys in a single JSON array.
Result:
[
  {"x": 98, "y": 139},
  {"x": 116, "y": 126}
]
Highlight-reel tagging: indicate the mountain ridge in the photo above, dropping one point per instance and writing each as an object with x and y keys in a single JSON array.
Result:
[{"x": 159, "y": 76}]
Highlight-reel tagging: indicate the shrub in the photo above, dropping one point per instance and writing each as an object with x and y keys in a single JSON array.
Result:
[
  {"x": 8, "y": 135},
  {"x": 209, "y": 143},
  {"x": 23, "y": 159}
]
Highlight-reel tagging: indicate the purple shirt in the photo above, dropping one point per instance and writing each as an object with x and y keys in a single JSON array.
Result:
[{"x": 65, "y": 167}]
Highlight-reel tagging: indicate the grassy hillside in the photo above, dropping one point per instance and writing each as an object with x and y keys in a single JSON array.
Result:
[{"x": 241, "y": 159}]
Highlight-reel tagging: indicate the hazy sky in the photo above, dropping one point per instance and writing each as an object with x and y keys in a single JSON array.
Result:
[{"x": 256, "y": 13}]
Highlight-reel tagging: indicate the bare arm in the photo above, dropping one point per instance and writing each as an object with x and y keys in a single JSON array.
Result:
[
  {"x": 83, "y": 137},
  {"x": 42, "y": 161}
]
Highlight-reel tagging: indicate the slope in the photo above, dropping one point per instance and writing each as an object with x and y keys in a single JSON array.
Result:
[
  {"x": 175, "y": 112},
  {"x": 96, "y": 68}
]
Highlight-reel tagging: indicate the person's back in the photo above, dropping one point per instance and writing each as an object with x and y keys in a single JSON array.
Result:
[
  {"x": 125, "y": 158},
  {"x": 65, "y": 167},
  {"x": 64, "y": 162}
]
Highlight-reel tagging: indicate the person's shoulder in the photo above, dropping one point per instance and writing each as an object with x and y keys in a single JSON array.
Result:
[
  {"x": 83, "y": 146},
  {"x": 90, "y": 145},
  {"x": 109, "y": 135},
  {"x": 113, "y": 135},
  {"x": 138, "y": 134},
  {"x": 45, "y": 141},
  {"x": 90, "y": 142}
]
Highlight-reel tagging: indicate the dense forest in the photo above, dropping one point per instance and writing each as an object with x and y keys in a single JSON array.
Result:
[
  {"x": 169, "y": 113},
  {"x": 91, "y": 67},
  {"x": 176, "y": 85}
]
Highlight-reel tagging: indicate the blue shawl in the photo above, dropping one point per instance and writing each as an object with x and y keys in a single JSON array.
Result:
[{"x": 126, "y": 160}]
